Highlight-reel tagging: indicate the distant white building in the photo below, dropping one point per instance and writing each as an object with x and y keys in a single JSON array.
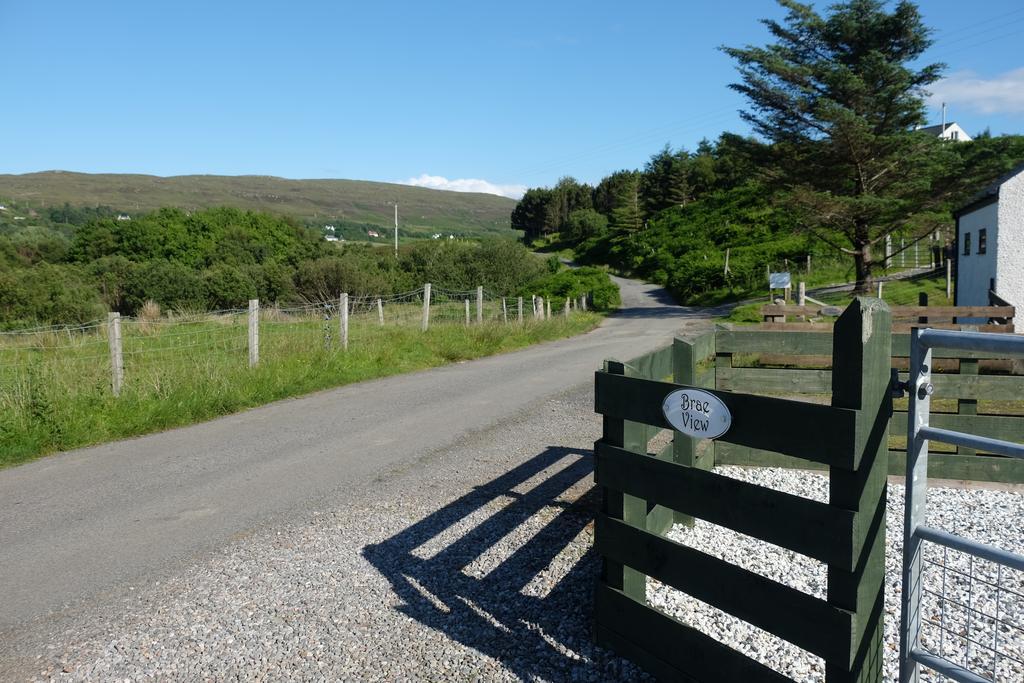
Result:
[
  {"x": 990, "y": 244},
  {"x": 373, "y": 233},
  {"x": 949, "y": 131},
  {"x": 2, "y": 207},
  {"x": 123, "y": 217},
  {"x": 330, "y": 238}
]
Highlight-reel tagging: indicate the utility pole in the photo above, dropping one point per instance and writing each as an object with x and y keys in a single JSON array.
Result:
[{"x": 396, "y": 229}]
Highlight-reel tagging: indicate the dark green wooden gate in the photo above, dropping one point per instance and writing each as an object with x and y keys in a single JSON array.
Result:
[{"x": 643, "y": 494}]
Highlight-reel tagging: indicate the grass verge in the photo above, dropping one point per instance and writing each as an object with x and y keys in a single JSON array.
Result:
[{"x": 58, "y": 397}]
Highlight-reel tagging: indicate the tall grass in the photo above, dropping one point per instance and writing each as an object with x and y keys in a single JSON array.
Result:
[{"x": 55, "y": 392}]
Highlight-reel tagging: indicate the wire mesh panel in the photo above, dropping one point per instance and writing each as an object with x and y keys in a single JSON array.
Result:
[{"x": 963, "y": 600}]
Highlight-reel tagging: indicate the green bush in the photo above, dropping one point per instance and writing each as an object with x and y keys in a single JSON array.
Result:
[
  {"x": 573, "y": 283},
  {"x": 48, "y": 293}
]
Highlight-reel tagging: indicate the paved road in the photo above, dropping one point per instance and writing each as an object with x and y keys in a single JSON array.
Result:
[{"x": 80, "y": 527}]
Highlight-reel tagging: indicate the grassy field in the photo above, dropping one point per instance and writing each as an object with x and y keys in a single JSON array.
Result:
[
  {"x": 422, "y": 210},
  {"x": 55, "y": 389}
]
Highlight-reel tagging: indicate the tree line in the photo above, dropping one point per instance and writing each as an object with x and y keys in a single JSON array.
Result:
[{"x": 219, "y": 258}]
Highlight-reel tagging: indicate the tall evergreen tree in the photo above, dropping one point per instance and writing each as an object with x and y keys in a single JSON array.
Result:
[
  {"x": 627, "y": 216},
  {"x": 664, "y": 183},
  {"x": 840, "y": 98}
]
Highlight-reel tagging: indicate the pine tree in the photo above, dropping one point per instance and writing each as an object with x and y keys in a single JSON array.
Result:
[{"x": 839, "y": 98}]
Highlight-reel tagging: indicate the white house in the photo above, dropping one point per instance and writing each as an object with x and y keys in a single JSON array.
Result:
[
  {"x": 948, "y": 131},
  {"x": 990, "y": 244}
]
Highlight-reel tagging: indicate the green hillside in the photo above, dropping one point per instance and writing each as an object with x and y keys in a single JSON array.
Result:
[{"x": 422, "y": 210}]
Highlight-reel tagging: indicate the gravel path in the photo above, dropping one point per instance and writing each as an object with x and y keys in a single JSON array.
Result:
[{"x": 473, "y": 564}]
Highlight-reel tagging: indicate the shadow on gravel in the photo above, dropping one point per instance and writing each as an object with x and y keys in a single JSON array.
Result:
[{"x": 530, "y": 605}]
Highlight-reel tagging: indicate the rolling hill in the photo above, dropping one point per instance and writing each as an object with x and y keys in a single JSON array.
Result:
[{"x": 422, "y": 210}]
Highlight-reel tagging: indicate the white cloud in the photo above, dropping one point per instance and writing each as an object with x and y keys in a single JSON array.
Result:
[
  {"x": 438, "y": 182},
  {"x": 1003, "y": 94}
]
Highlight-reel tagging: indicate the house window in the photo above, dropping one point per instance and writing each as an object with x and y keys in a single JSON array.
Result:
[
  {"x": 982, "y": 240},
  {"x": 967, "y": 244},
  {"x": 956, "y": 135}
]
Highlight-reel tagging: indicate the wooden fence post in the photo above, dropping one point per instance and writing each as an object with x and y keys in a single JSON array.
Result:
[
  {"x": 467, "y": 312},
  {"x": 479, "y": 305},
  {"x": 116, "y": 354},
  {"x": 631, "y": 436},
  {"x": 426, "y": 308},
  {"x": 343, "y": 320},
  {"x": 254, "y": 332},
  {"x": 801, "y": 294},
  {"x": 538, "y": 311},
  {"x": 566, "y": 308},
  {"x": 687, "y": 357},
  {"x": 533, "y": 301},
  {"x": 380, "y": 311},
  {"x": 519, "y": 304},
  {"x": 861, "y": 358},
  {"x": 548, "y": 316},
  {"x": 880, "y": 289},
  {"x": 504, "y": 311}
]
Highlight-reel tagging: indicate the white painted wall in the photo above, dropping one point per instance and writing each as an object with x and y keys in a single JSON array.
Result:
[
  {"x": 1010, "y": 258},
  {"x": 976, "y": 270},
  {"x": 955, "y": 132}
]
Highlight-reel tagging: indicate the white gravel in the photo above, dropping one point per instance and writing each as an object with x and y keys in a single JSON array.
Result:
[
  {"x": 988, "y": 516},
  {"x": 475, "y": 564}
]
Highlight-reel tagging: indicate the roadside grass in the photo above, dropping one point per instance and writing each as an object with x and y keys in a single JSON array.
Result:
[{"x": 56, "y": 395}]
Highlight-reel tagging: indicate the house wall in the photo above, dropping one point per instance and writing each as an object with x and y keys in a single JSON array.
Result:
[
  {"x": 974, "y": 272},
  {"x": 960, "y": 134},
  {"x": 1010, "y": 278}
]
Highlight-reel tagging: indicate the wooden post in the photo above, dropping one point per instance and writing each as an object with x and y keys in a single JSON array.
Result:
[
  {"x": 467, "y": 312},
  {"x": 426, "y": 307},
  {"x": 533, "y": 298},
  {"x": 632, "y": 436},
  {"x": 504, "y": 311},
  {"x": 566, "y": 308},
  {"x": 519, "y": 303},
  {"x": 380, "y": 311},
  {"x": 861, "y": 358},
  {"x": 880, "y": 289},
  {"x": 584, "y": 302},
  {"x": 888, "y": 251},
  {"x": 801, "y": 293},
  {"x": 808, "y": 264},
  {"x": 725, "y": 271},
  {"x": 116, "y": 353},
  {"x": 254, "y": 332},
  {"x": 687, "y": 356},
  {"x": 343, "y": 320},
  {"x": 479, "y": 305},
  {"x": 967, "y": 406},
  {"x": 949, "y": 278},
  {"x": 548, "y": 316},
  {"x": 539, "y": 312}
]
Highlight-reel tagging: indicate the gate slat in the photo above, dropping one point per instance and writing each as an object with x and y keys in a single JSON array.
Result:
[
  {"x": 671, "y": 650},
  {"x": 799, "y": 524},
  {"x": 807, "y": 622},
  {"x": 826, "y": 432}
]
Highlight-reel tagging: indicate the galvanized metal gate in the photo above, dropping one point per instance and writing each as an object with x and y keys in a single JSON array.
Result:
[{"x": 957, "y": 613}]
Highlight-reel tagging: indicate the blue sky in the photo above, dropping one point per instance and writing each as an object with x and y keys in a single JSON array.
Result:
[{"x": 492, "y": 96}]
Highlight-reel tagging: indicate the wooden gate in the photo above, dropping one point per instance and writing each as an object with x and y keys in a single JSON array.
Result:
[{"x": 643, "y": 494}]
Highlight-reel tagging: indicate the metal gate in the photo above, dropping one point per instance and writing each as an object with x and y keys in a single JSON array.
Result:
[{"x": 959, "y": 593}]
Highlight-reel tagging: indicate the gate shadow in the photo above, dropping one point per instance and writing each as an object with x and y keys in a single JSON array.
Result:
[{"x": 533, "y": 610}]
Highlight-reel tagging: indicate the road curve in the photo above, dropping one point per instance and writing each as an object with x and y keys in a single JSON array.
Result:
[{"x": 79, "y": 527}]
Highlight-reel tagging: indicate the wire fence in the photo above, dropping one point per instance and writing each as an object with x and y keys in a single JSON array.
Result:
[
  {"x": 972, "y": 613},
  {"x": 102, "y": 355}
]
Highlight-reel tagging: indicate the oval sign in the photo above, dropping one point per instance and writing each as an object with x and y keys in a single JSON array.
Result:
[{"x": 697, "y": 413}]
